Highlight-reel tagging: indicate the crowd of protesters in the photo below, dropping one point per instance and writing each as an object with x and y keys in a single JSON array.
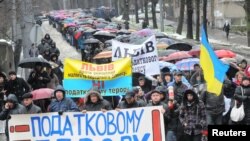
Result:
[{"x": 187, "y": 111}]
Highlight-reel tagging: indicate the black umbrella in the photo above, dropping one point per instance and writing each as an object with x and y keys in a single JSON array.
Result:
[
  {"x": 32, "y": 61},
  {"x": 180, "y": 47},
  {"x": 135, "y": 81},
  {"x": 91, "y": 41}
]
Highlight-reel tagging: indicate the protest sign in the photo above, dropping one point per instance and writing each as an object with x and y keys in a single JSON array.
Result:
[
  {"x": 138, "y": 124},
  {"x": 2, "y": 126},
  {"x": 144, "y": 56},
  {"x": 112, "y": 79}
]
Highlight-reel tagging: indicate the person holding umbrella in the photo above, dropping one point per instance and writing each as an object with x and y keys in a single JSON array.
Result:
[{"x": 38, "y": 78}]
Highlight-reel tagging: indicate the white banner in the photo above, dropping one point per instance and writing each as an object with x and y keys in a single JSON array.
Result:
[
  {"x": 138, "y": 124},
  {"x": 144, "y": 56}
]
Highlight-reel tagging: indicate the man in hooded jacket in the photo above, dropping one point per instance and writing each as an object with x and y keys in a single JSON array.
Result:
[
  {"x": 130, "y": 101},
  {"x": 61, "y": 103},
  {"x": 12, "y": 107},
  {"x": 95, "y": 102}
]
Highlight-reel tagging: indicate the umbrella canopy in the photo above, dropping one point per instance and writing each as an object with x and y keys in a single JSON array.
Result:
[
  {"x": 160, "y": 35},
  {"x": 187, "y": 64},
  {"x": 225, "y": 53},
  {"x": 90, "y": 30},
  {"x": 32, "y": 61},
  {"x": 177, "y": 56},
  {"x": 91, "y": 41},
  {"x": 123, "y": 31},
  {"x": 180, "y": 46},
  {"x": 168, "y": 65},
  {"x": 104, "y": 34},
  {"x": 144, "y": 32},
  {"x": 42, "y": 93},
  {"x": 162, "y": 45},
  {"x": 162, "y": 53},
  {"x": 104, "y": 54},
  {"x": 228, "y": 60},
  {"x": 166, "y": 40}
]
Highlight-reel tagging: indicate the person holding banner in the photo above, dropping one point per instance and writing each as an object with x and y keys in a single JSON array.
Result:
[
  {"x": 130, "y": 101},
  {"x": 12, "y": 107},
  {"x": 95, "y": 102},
  {"x": 61, "y": 103}
]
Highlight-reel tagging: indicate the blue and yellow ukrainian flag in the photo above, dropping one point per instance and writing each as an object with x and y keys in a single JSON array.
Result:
[{"x": 214, "y": 70}]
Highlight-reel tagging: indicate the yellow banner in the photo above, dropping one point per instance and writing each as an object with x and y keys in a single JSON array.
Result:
[{"x": 75, "y": 69}]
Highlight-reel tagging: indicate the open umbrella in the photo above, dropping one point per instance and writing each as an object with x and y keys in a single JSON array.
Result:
[
  {"x": 180, "y": 46},
  {"x": 103, "y": 54},
  {"x": 90, "y": 30},
  {"x": 144, "y": 32},
  {"x": 187, "y": 64},
  {"x": 171, "y": 67},
  {"x": 162, "y": 53},
  {"x": 91, "y": 41},
  {"x": 195, "y": 51},
  {"x": 161, "y": 45},
  {"x": 166, "y": 40},
  {"x": 104, "y": 34},
  {"x": 177, "y": 56},
  {"x": 32, "y": 61},
  {"x": 225, "y": 53},
  {"x": 42, "y": 93},
  {"x": 160, "y": 35},
  {"x": 229, "y": 60}
]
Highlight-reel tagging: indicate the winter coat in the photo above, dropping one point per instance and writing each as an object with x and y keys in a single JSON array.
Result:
[
  {"x": 35, "y": 82},
  {"x": 54, "y": 82},
  {"x": 6, "y": 113},
  {"x": 32, "y": 109},
  {"x": 245, "y": 99},
  {"x": 179, "y": 89},
  {"x": 48, "y": 40},
  {"x": 54, "y": 50},
  {"x": 65, "y": 105},
  {"x": 193, "y": 115},
  {"x": 125, "y": 105},
  {"x": 172, "y": 118},
  {"x": 18, "y": 87},
  {"x": 42, "y": 47},
  {"x": 193, "y": 80},
  {"x": 215, "y": 105},
  {"x": 101, "y": 103},
  {"x": 33, "y": 52}
]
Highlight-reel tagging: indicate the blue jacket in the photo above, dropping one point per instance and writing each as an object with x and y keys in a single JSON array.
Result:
[{"x": 65, "y": 105}]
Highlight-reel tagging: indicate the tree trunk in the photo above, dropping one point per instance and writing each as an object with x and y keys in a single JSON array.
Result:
[
  {"x": 136, "y": 11},
  {"x": 142, "y": 6},
  {"x": 190, "y": 19},
  {"x": 153, "y": 5},
  {"x": 181, "y": 17},
  {"x": 146, "y": 11},
  {"x": 205, "y": 16},
  {"x": 126, "y": 10},
  {"x": 170, "y": 9},
  {"x": 247, "y": 9},
  {"x": 197, "y": 5},
  {"x": 212, "y": 14}
]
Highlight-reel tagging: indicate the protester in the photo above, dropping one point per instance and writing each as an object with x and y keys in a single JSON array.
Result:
[
  {"x": 139, "y": 94},
  {"x": 53, "y": 49},
  {"x": 179, "y": 87},
  {"x": 243, "y": 65},
  {"x": 167, "y": 78},
  {"x": 54, "y": 81},
  {"x": 38, "y": 78},
  {"x": 33, "y": 51},
  {"x": 17, "y": 86},
  {"x": 143, "y": 84},
  {"x": 242, "y": 96},
  {"x": 30, "y": 108},
  {"x": 42, "y": 47},
  {"x": 3, "y": 88},
  {"x": 12, "y": 107},
  {"x": 61, "y": 103},
  {"x": 192, "y": 116},
  {"x": 215, "y": 106},
  {"x": 126, "y": 23},
  {"x": 95, "y": 102},
  {"x": 130, "y": 101},
  {"x": 144, "y": 24},
  {"x": 47, "y": 39},
  {"x": 58, "y": 67},
  {"x": 238, "y": 78}
]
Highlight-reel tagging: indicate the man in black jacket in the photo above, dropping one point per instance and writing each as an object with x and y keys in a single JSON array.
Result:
[
  {"x": 38, "y": 78},
  {"x": 130, "y": 101},
  {"x": 17, "y": 86}
]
